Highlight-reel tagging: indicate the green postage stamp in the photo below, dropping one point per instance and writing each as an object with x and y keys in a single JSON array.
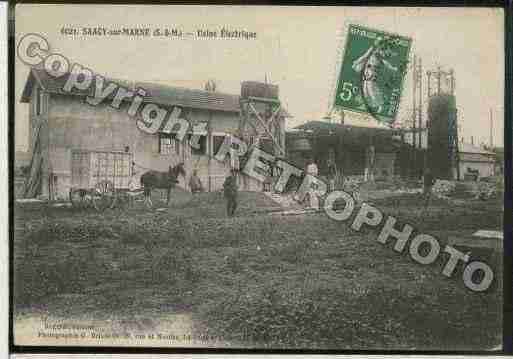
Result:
[{"x": 372, "y": 73}]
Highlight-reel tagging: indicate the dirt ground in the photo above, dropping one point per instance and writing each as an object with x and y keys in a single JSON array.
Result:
[{"x": 253, "y": 280}]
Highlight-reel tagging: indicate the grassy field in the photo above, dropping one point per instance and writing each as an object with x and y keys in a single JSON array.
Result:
[{"x": 256, "y": 279}]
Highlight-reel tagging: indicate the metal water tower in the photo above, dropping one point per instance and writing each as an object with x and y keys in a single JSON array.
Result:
[{"x": 443, "y": 157}]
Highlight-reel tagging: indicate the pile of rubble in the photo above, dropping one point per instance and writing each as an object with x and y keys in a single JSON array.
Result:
[
  {"x": 482, "y": 190},
  {"x": 444, "y": 189}
]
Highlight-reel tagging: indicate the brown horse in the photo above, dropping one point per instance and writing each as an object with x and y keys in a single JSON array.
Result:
[{"x": 157, "y": 179}]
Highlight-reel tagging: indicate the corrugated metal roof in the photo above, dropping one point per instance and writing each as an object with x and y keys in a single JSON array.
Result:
[
  {"x": 155, "y": 93},
  {"x": 179, "y": 96},
  {"x": 354, "y": 136},
  {"x": 317, "y": 125}
]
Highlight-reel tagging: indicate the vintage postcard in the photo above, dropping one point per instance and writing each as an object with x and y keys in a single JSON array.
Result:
[{"x": 258, "y": 177}]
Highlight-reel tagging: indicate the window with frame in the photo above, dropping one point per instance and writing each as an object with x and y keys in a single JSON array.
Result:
[
  {"x": 232, "y": 158},
  {"x": 169, "y": 144},
  {"x": 251, "y": 140},
  {"x": 202, "y": 142},
  {"x": 217, "y": 141}
]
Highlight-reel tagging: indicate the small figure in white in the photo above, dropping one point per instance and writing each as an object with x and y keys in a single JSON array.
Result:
[
  {"x": 134, "y": 185},
  {"x": 311, "y": 169},
  {"x": 372, "y": 63},
  {"x": 370, "y": 155},
  {"x": 332, "y": 174}
]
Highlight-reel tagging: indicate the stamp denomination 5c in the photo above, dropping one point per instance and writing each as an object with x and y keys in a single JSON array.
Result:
[{"x": 372, "y": 73}]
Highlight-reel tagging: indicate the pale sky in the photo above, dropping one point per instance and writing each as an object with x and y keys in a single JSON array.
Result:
[{"x": 297, "y": 47}]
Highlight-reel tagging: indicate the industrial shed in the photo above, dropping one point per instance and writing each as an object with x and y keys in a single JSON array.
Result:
[
  {"x": 474, "y": 159},
  {"x": 61, "y": 123},
  {"x": 346, "y": 144}
]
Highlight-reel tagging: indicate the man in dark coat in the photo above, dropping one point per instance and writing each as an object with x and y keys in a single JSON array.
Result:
[
  {"x": 429, "y": 181},
  {"x": 230, "y": 192},
  {"x": 332, "y": 175}
]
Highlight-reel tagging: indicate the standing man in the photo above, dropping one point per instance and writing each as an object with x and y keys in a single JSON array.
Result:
[
  {"x": 311, "y": 169},
  {"x": 429, "y": 181},
  {"x": 230, "y": 192},
  {"x": 332, "y": 174},
  {"x": 195, "y": 183}
]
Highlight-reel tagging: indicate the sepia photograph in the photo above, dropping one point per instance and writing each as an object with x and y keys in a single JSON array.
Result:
[{"x": 258, "y": 177}]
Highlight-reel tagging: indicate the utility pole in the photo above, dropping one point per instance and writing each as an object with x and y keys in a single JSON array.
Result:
[
  {"x": 419, "y": 73},
  {"x": 421, "y": 110},
  {"x": 428, "y": 73},
  {"x": 414, "y": 118},
  {"x": 414, "y": 105},
  {"x": 491, "y": 128},
  {"x": 418, "y": 94},
  {"x": 439, "y": 76}
]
